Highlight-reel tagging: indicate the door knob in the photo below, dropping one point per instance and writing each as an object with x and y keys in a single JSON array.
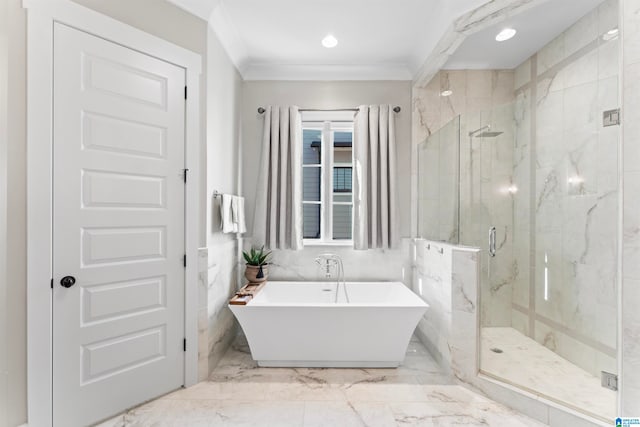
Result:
[{"x": 68, "y": 281}]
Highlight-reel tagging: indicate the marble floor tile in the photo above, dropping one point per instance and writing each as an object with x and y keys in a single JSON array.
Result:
[
  {"x": 239, "y": 393},
  {"x": 526, "y": 363},
  {"x": 305, "y": 391},
  {"x": 384, "y": 392},
  {"x": 323, "y": 414},
  {"x": 226, "y": 390},
  {"x": 456, "y": 413},
  {"x": 437, "y": 393}
]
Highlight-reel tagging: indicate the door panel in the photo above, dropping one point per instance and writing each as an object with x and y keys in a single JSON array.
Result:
[{"x": 118, "y": 221}]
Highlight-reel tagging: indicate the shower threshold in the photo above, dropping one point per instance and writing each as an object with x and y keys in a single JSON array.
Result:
[{"x": 529, "y": 365}]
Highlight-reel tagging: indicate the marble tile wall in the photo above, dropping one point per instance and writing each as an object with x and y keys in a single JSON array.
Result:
[
  {"x": 466, "y": 278},
  {"x": 433, "y": 283},
  {"x": 566, "y": 168},
  {"x": 203, "y": 314},
  {"x": 447, "y": 278},
  {"x": 522, "y": 200},
  {"x": 438, "y": 164},
  {"x": 630, "y": 374},
  {"x": 372, "y": 265},
  {"x": 222, "y": 282},
  {"x": 472, "y": 91},
  {"x": 217, "y": 281}
]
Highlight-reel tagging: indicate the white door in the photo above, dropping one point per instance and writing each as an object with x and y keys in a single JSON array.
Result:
[{"x": 118, "y": 228}]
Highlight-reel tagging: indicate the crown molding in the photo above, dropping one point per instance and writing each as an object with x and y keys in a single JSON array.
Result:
[
  {"x": 200, "y": 9},
  {"x": 229, "y": 37},
  {"x": 326, "y": 72}
]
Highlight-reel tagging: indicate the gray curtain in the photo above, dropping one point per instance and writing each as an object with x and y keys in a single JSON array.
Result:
[
  {"x": 374, "y": 181},
  {"x": 278, "y": 214}
]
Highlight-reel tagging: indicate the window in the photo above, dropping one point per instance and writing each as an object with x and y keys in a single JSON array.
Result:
[{"x": 327, "y": 181}]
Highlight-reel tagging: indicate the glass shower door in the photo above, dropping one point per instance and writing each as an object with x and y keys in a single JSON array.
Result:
[
  {"x": 438, "y": 184},
  {"x": 487, "y": 199}
]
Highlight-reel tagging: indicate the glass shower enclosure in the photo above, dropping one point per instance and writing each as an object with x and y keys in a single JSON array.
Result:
[{"x": 543, "y": 214}]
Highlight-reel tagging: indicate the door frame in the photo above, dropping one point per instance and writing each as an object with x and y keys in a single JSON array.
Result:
[{"x": 41, "y": 16}]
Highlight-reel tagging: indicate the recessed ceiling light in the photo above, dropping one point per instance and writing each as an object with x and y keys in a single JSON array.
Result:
[
  {"x": 505, "y": 34},
  {"x": 329, "y": 41},
  {"x": 447, "y": 92}
]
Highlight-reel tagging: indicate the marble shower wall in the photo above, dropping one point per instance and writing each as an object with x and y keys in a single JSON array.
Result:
[
  {"x": 447, "y": 278},
  {"x": 566, "y": 172},
  {"x": 630, "y": 374},
  {"x": 438, "y": 172},
  {"x": 472, "y": 91}
]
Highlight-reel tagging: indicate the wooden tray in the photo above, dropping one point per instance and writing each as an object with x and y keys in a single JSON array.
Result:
[{"x": 246, "y": 293}]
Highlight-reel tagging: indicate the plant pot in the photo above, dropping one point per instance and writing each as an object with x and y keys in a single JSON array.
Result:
[{"x": 256, "y": 273}]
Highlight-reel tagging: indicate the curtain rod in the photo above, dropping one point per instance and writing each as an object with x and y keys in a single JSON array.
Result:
[{"x": 262, "y": 110}]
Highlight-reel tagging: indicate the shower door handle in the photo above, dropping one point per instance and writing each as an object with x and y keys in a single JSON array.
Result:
[{"x": 492, "y": 241}]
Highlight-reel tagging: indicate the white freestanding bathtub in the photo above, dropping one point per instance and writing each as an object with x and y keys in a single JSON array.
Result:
[{"x": 299, "y": 324}]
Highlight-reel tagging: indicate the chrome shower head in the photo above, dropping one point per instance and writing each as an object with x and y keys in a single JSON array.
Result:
[
  {"x": 479, "y": 130},
  {"x": 484, "y": 132},
  {"x": 489, "y": 134}
]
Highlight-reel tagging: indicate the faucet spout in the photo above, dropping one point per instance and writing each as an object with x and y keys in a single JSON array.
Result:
[
  {"x": 325, "y": 264},
  {"x": 328, "y": 260}
]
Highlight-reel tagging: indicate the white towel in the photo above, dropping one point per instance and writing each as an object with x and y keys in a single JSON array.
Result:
[
  {"x": 226, "y": 216},
  {"x": 239, "y": 214},
  {"x": 234, "y": 213}
]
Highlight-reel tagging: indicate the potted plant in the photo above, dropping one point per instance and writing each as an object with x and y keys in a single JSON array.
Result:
[{"x": 256, "y": 259}]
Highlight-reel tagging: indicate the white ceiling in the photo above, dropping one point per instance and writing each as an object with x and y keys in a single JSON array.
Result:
[{"x": 378, "y": 39}]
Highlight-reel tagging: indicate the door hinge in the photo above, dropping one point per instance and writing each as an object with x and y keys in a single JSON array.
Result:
[
  {"x": 185, "y": 92},
  {"x": 185, "y": 172},
  {"x": 52, "y": 283},
  {"x": 184, "y": 260},
  {"x": 184, "y": 344}
]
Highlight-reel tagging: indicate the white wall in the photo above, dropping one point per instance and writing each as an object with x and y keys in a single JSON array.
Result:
[
  {"x": 16, "y": 347},
  {"x": 224, "y": 88},
  {"x": 4, "y": 62},
  {"x": 157, "y": 17}
]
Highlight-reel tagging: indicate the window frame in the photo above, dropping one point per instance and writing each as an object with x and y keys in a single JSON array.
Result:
[{"x": 328, "y": 126}]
